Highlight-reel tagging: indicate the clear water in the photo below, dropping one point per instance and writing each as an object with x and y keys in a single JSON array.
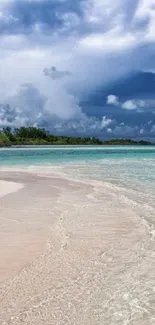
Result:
[
  {"x": 123, "y": 181},
  {"x": 126, "y": 166},
  {"x": 44, "y": 155}
]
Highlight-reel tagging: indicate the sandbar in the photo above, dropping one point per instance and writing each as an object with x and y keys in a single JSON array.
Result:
[{"x": 72, "y": 253}]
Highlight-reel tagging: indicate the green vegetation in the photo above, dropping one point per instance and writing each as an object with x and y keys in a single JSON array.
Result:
[
  {"x": 127, "y": 142},
  {"x": 4, "y": 140},
  {"x": 39, "y": 136}
]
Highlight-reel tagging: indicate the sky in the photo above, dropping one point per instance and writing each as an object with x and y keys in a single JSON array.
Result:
[{"x": 79, "y": 68}]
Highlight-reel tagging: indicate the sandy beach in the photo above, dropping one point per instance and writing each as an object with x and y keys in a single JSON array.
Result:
[
  {"x": 8, "y": 187},
  {"x": 72, "y": 253}
]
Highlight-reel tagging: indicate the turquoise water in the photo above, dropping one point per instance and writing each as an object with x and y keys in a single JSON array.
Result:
[
  {"x": 119, "y": 165},
  {"x": 40, "y": 156},
  {"x": 130, "y": 169}
]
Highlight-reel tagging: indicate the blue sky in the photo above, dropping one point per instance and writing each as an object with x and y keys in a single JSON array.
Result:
[{"x": 81, "y": 67}]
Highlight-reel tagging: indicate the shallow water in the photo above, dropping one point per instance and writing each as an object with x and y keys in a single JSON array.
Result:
[
  {"x": 130, "y": 167},
  {"x": 130, "y": 170},
  {"x": 98, "y": 264},
  {"x": 115, "y": 164},
  {"x": 60, "y": 154}
]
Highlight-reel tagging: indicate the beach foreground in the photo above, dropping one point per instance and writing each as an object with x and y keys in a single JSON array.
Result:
[
  {"x": 73, "y": 252},
  {"x": 8, "y": 187}
]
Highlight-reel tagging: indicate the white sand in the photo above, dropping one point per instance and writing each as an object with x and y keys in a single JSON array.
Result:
[
  {"x": 9, "y": 187},
  {"x": 95, "y": 262}
]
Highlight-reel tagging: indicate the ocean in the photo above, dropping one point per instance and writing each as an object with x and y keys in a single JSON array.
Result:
[
  {"x": 130, "y": 169},
  {"x": 121, "y": 165}
]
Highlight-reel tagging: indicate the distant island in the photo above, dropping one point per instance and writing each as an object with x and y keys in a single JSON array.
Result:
[{"x": 39, "y": 136}]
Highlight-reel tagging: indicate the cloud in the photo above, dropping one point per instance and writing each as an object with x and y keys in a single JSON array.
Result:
[
  {"x": 129, "y": 104},
  {"x": 132, "y": 104},
  {"x": 41, "y": 105},
  {"x": 54, "y": 74},
  {"x": 105, "y": 122},
  {"x": 87, "y": 126},
  {"x": 43, "y": 14},
  {"x": 88, "y": 45},
  {"x": 152, "y": 129},
  {"x": 112, "y": 100},
  {"x": 125, "y": 131}
]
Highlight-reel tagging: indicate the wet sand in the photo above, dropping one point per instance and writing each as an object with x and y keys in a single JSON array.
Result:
[{"x": 73, "y": 253}]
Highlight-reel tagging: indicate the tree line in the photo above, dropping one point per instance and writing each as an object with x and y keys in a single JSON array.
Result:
[{"x": 40, "y": 136}]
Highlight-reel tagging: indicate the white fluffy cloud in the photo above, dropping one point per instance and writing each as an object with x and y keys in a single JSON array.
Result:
[
  {"x": 132, "y": 104},
  {"x": 112, "y": 100},
  {"x": 129, "y": 104}
]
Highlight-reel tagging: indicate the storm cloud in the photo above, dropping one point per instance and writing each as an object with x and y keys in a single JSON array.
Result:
[{"x": 56, "y": 55}]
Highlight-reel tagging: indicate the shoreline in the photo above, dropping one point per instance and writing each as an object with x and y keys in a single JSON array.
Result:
[
  {"x": 24, "y": 146},
  {"x": 72, "y": 253}
]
